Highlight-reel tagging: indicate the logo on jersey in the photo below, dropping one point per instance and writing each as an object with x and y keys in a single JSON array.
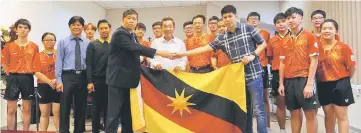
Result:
[
  {"x": 353, "y": 58},
  {"x": 316, "y": 45},
  {"x": 346, "y": 100}
]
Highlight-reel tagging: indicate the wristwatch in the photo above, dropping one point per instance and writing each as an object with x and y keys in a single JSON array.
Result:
[{"x": 254, "y": 53}]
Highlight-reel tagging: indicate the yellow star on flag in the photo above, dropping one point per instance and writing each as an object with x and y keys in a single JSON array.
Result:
[{"x": 180, "y": 102}]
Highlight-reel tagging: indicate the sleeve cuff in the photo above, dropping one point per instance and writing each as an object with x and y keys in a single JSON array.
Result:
[
  {"x": 59, "y": 82},
  {"x": 213, "y": 47},
  {"x": 314, "y": 54}
]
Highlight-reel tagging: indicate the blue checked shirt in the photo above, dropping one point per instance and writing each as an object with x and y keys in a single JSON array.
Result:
[{"x": 239, "y": 44}]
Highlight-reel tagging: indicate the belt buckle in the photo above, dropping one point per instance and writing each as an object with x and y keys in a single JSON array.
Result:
[
  {"x": 196, "y": 68},
  {"x": 77, "y": 72}
]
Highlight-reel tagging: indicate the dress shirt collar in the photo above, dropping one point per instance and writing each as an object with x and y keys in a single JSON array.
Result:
[
  {"x": 102, "y": 41},
  {"x": 72, "y": 37}
]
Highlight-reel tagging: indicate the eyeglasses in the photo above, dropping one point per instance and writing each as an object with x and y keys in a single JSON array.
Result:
[
  {"x": 188, "y": 28},
  {"x": 317, "y": 18},
  {"x": 48, "y": 41}
]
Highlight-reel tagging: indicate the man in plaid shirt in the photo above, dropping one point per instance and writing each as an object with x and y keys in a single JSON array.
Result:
[{"x": 242, "y": 43}]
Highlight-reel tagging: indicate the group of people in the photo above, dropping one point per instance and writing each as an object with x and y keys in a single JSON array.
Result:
[{"x": 108, "y": 67}]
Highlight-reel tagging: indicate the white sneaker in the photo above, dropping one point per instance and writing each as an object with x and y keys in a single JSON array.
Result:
[
  {"x": 269, "y": 130},
  {"x": 283, "y": 131}
]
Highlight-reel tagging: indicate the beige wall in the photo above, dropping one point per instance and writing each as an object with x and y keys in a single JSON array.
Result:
[
  {"x": 267, "y": 10},
  {"x": 149, "y": 15},
  {"x": 48, "y": 16}
]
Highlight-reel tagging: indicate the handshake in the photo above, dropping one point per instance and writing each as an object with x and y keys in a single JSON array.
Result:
[{"x": 170, "y": 55}]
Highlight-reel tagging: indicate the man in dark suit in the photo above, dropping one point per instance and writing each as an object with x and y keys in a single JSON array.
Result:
[{"x": 123, "y": 71}]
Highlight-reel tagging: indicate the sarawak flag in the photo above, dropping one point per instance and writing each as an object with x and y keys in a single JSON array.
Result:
[{"x": 183, "y": 102}]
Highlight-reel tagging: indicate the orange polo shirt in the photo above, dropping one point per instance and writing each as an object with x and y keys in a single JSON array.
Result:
[
  {"x": 262, "y": 56},
  {"x": 47, "y": 65},
  {"x": 334, "y": 64},
  {"x": 273, "y": 50},
  {"x": 296, "y": 53},
  {"x": 222, "y": 59},
  {"x": 21, "y": 59},
  {"x": 203, "y": 59}
]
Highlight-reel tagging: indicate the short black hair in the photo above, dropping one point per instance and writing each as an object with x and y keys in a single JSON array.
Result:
[
  {"x": 229, "y": 9},
  {"x": 141, "y": 25},
  {"x": 187, "y": 23},
  {"x": 104, "y": 21},
  {"x": 200, "y": 16},
  {"x": 74, "y": 19},
  {"x": 130, "y": 12},
  {"x": 213, "y": 18},
  {"x": 254, "y": 14},
  {"x": 48, "y": 33},
  {"x": 323, "y": 13},
  {"x": 23, "y": 22},
  {"x": 166, "y": 19},
  {"x": 332, "y": 21},
  {"x": 278, "y": 17},
  {"x": 292, "y": 10},
  {"x": 157, "y": 23}
]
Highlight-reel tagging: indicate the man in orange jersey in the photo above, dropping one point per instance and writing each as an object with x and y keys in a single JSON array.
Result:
[
  {"x": 20, "y": 60},
  {"x": 298, "y": 65},
  {"x": 212, "y": 25},
  {"x": 220, "y": 58},
  {"x": 139, "y": 32},
  {"x": 317, "y": 18},
  {"x": 221, "y": 26},
  {"x": 199, "y": 63},
  {"x": 157, "y": 29},
  {"x": 254, "y": 19},
  {"x": 188, "y": 29},
  {"x": 273, "y": 54}
]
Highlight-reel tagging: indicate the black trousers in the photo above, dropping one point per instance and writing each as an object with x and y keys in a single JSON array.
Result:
[
  {"x": 118, "y": 108},
  {"x": 99, "y": 103},
  {"x": 74, "y": 86}
]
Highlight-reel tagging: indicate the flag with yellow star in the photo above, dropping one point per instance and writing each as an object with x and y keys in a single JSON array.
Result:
[{"x": 184, "y": 102}]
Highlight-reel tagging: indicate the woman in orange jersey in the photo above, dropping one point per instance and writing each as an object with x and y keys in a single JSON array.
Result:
[
  {"x": 335, "y": 69},
  {"x": 49, "y": 98}
]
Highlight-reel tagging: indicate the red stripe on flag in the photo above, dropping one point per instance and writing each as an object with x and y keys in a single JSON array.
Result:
[{"x": 197, "y": 121}]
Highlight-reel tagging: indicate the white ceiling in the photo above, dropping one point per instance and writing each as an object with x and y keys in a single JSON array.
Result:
[{"x": 149, "y": 3}]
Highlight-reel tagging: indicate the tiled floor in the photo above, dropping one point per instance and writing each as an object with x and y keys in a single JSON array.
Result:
[{"x": 274, "y": 126}]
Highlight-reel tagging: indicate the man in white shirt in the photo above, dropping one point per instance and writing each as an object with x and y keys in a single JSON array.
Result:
[{"x": 168, "y": 43}]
